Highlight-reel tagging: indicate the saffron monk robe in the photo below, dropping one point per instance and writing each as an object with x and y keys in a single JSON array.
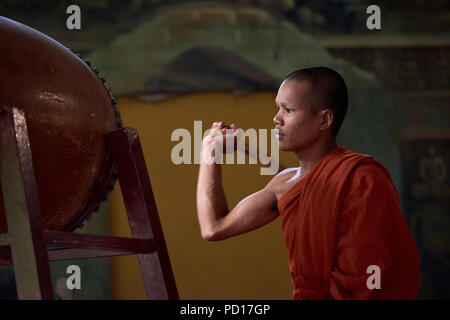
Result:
[{"x": 340, "y": 211}]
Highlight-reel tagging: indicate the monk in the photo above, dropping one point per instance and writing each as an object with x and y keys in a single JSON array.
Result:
[{"x": 340, "y": 211}]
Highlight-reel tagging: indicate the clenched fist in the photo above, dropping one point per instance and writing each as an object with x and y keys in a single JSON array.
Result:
[{"x": 220, "y": 138}]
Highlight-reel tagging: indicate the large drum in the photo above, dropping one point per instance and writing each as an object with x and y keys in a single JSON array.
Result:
[{"x": 68, "y": 110}]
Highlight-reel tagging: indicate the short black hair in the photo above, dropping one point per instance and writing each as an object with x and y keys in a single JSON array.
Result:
[{"x": 327, "y": 91}]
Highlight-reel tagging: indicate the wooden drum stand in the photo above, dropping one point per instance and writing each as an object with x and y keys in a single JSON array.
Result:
[{"x": 31, "y": 247}]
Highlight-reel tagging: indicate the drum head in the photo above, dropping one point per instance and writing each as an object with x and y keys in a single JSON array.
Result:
[{"x": 68, "y": 111}]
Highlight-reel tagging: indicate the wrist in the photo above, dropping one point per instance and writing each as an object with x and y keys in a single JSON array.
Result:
[{"x": 207, "y": 153}]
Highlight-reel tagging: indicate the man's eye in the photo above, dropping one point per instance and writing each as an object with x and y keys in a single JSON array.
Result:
[{"x": 288, "y": 110}]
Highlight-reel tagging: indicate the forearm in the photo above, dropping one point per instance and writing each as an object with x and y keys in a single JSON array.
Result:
[{"x": 211, "y": 201}]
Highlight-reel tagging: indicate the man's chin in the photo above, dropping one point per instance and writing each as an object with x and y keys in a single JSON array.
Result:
[{"x": 283, "y": 147}]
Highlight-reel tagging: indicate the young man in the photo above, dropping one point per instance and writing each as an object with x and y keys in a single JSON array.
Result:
[{"x": 340, "y": 211}]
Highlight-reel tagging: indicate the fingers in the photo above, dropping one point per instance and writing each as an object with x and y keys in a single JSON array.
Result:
[
  {"x": 222, "y": 126},
  {"x": 219, "y": 125}
]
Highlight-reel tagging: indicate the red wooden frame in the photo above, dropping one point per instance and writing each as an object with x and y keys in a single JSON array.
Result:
[{"x": 30, "y": 248}]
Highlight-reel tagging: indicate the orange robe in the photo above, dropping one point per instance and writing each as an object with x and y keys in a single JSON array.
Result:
[{"x": 341, "y": 218}]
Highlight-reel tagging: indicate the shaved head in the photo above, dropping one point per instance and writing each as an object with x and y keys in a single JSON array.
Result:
[{"x": 327, "y": 90}]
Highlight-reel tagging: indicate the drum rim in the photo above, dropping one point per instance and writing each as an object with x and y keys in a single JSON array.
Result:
[{"x": 107, "y": 176}]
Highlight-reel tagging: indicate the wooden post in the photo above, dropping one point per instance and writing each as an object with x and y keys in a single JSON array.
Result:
[
  {"x": 25, "y": 232},
  {"x": 142, "y": 212}
]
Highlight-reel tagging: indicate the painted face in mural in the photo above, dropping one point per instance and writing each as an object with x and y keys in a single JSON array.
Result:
[{"x": 298, "y": 126}]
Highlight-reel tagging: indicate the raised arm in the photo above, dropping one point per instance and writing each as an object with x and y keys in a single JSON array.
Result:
[{"x": 216, "y": 221}]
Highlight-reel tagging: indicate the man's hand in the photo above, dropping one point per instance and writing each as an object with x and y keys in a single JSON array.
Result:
[{"x": 220, "y": 137}]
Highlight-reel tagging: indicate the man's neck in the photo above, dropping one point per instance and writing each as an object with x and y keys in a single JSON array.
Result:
[{"x": 310, "y": 156}]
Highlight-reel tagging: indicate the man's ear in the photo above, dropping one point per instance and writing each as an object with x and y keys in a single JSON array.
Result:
[{"x": 327, "y": 119}]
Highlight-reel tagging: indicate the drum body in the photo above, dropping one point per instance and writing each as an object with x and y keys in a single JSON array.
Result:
[{"x": 68, "y": 111}]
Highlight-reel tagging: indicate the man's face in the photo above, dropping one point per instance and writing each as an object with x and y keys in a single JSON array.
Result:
[{"x": 298, "y": 126}]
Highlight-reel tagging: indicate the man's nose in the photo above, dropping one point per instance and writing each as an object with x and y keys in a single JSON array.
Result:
[{"x": 277, "y": 120}]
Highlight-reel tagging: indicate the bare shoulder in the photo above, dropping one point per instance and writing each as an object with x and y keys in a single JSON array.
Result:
[
  {"x": 283, "y": 181},
  {"x": 286, "y": 174}
]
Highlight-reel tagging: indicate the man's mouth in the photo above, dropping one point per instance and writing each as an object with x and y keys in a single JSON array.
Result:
[{"x": 279, "y": 134}]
